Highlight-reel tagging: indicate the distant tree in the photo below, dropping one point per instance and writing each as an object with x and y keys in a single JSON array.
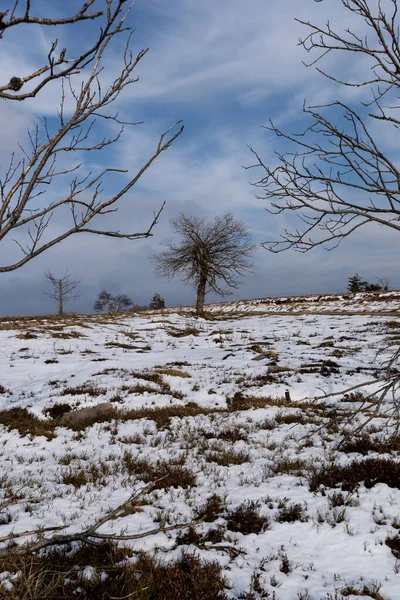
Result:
[
  {"x": 356, "y": 284},
  {"x": 385, "y": 283},
  {"x": 157, "y": 302},
  {"x": 104, "y": 302},
  {"x": 210, "y": 255},
  {"x": 372, "y": 287},
  {"x": 62, "y": 289},
  {"x": 122, "y": 303}
]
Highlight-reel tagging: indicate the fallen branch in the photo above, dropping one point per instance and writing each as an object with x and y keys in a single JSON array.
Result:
[{"x": 91, "y": 533}]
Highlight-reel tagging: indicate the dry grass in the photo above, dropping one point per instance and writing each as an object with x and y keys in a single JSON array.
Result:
[
  {"x": 212, "y": 509},
  {"x": 369, "y": 471},
  {"x": 174, "y": 373},
  {"x": 58, "y": 575},
  {"x": 228, "y": 457},
  {"x": 291, "y": 513},
  {"x": 365, "y": 443},
  {"x": 164, "y": 474},
  {"x": 26, "y": 423},
  {"x": 87, "y": 389},
  {"x": 180, "y": 333},
  {"x": 246, "y": 519}
]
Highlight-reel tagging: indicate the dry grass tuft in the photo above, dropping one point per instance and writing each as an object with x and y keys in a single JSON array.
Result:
[
  {"x": 291, "y": 513},
  {"x": 212, "y": 509},
  {"x": 229, "y": 456},
  {"x": 85, "y": 389},
  {"x": 57, "y": 410},
  {"x": 246, "y": 519}
]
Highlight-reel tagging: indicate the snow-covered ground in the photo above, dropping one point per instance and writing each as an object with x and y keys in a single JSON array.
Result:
[
  {"x": 367, "y": 302},
  {"x": 255, "y": 446}
]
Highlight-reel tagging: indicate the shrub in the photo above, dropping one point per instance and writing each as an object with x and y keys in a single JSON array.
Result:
[
  {"x": 246, "y": 519},
  {"x": 291, "y": 513},
  {"x": 212, "y": 509},
  {"x": 169, "y": 474},
  {"x": 365, "y": 443},
  {"x": 394, "y": 545},
  {"x": 57, "y": 410},
  {"x": 26, "y": 423},
  {"x": 229, "y": 457},
  {"x": 370, "y": 471}
]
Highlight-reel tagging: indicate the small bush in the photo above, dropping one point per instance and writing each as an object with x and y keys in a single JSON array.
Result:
[
  {"x": 394, "y": 545},
  {"x": 246, "y": 519},
  {"x": 296, "y": 418},
  {"x": 192, "y": 537},
  {"x": 329, "y": 367},
  {"x": 84, "y": 389},
  {"x": 57, "y": 410},
  {"x": 338, "y": 499},
  {"x": 229, "y": 457},
  {"x": 365, "y": 443},
  {"x": 212, "y": 509},
  {"x": 370, "y": 471},
  {"x": 170, "y": 474},
  {"x": 241, "y": 402},
  {"x": 291, "y": 513},
  {"x": 233, "y": 434},
  {"x": 26, "y": 423},
  {"x": 91, "y": 473}
]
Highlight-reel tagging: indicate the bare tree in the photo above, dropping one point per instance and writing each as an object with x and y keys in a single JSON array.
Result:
[
  {"x": 337, "y": 175},
  {"x": 30, "y": 185},
  {"x": 62, "y": 289},
  {"x": 103, "y": 302},
  {"x": 210, "y": 255},
  {"x": 122, "y": 303}
]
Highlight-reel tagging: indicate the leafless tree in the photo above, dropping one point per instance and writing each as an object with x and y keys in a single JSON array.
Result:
[
  {"x": 211, "y": 255},
  {"x": 103, "y": 302},
  {"x": 30, "y": 185},
  {"x": 122, "y": 303},
  {"x": 336, "y": 174},
  {"x": 62, "y": 289},
  {"x": 111, "y": 304}
]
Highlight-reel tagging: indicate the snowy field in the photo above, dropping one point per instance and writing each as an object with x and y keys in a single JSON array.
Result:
[
  {"x": 368, "y": 302},
  {"x": 198, "y": 409}
]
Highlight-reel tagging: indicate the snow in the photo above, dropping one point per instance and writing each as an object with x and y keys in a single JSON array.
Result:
[{"x": 222, "y": 358}]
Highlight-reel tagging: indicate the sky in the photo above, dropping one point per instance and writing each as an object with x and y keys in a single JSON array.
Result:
[{"x": 225, "y": 68}]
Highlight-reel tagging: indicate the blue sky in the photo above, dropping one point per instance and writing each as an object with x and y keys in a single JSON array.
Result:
[{"x": 224, "y": 67}]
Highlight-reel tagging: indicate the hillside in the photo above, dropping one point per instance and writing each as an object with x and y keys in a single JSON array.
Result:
[
  {"x": 385, "y": 302},
  {"x": 234, "y": 433}
]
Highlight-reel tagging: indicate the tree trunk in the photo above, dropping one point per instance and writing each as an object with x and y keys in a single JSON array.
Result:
[
  {"x": 201, "y": 292},
  {"x": 60, "y": 300}
]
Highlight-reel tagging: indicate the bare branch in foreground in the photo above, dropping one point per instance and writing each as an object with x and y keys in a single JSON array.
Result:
[
  {"x": 338, "y": 174},
  {"x": 91, "y": 534}
]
